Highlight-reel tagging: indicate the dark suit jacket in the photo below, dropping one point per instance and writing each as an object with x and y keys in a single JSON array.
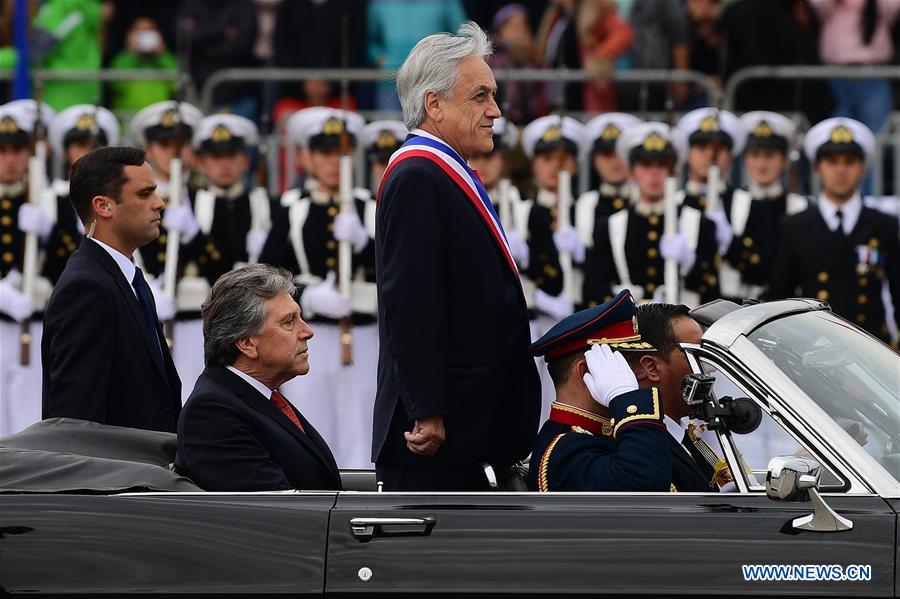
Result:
[
  {"x": 688, "y": 475},
  {"x": 98, "y": 358},
  {"x": 846, "y": 271},
  {"x": 453, "y": 327},
  {"x": 231, "y": 438}
]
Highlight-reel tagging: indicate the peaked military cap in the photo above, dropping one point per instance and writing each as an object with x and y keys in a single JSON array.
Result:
[
  {"x": 551, "y": 132},
  {"x": 712, "y": 124},
  {"x": 383, "y": 138},
  {"x": 18, "y": 118},
  {"x": 81, "y": 122},
  {"x": 225, "y": 134},
  {"x": 605, "y": 129},
  {"x": 165, "y": 120},
  {"x": 651, "y": 141},
  {"x": 614, "y": 324},
  {"x": 769, "y": 130},
  {"x": 839, "y": 135}
]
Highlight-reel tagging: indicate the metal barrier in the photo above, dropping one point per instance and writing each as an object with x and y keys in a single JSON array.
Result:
[
  {"x": 548, "y": 75},
  {"x": 107, "y": 75}
]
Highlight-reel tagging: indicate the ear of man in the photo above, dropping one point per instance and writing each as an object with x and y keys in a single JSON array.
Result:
[
  {"x": 433, "y": 106},
  {"x": 247, "y": 347},
  {"x": 102, "y": 206},
  {"x": 648, "y": 369}
]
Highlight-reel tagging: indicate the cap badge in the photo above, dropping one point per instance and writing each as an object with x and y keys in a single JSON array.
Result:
[
  {"x": 552, "y": 134},
  {"x": 169, "y": 118},
  {"x": 333, "y": 126},
  {"x": 386, "y": 140},
  {"x": 8, "y": 126},
  {"x": 763, "y": 129},
  {"x": 841, "y": 135},
  {"x": 221, "y": 134},
  {"x": 709, "y": 124},
  {"x": 654, "y": 142},
  {"x": 85, "y": 122},
  {"x": 610, "y": 132}
]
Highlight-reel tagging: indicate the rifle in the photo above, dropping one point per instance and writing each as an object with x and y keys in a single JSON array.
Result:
[
  {"x": 671, "y": 284},
  {"x": 347, "y": 206},
  {"x": 37, "y": 179},
  {"x": 564, "y": 203}
]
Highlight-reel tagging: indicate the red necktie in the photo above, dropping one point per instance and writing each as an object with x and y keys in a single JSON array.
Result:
[{"x": 282, "y": 404}]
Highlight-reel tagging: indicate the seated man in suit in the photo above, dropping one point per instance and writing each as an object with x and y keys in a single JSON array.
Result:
[{"x": 236, "y": 431}]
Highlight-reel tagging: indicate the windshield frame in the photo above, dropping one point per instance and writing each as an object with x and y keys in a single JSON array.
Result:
[{"x": 803, "y": 414}]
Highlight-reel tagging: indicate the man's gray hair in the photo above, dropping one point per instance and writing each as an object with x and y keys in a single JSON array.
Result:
[
  {"x": 432, "y": 65},
  {"x": 236, "y": 309}
]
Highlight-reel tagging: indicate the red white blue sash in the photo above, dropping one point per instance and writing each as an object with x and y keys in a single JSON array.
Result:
[{"x": 418, "y": 146}]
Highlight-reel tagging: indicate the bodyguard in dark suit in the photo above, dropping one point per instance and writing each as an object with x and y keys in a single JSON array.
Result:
[
  {"x": 456, "y": 385},
  {"x": 103, "y": 353},
  {"x": 838, "y": 250},
  {"x": 237, "y": 432}
]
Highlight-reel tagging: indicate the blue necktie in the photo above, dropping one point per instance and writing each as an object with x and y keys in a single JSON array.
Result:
[{"x": 145, "y": 299}]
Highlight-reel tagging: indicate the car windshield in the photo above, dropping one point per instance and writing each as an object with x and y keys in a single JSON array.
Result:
[{"x": 851, "y": 376}]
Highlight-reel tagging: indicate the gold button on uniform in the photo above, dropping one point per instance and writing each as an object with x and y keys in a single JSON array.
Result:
[
  {"x": 161, "y": 256},
  {"x": 618, "y": 204},
  {"x": 8, "y": 257},
  {"x": 632, "y": 409},
  {"x": 215, "y": 255},
  {"x": 651, "y": 272},
  {"x": 650, "y": 287},
  {"x": 551, "y": 271},
  {"x": 5, "y": 204},
  {"x": 860, "y": 318},
  {"x": 748, "y": 242},
  {"x": 330, "y": 262},
  {"x": 823, "y": 277},
  {"x": 331, "y": 244},
  {"x": 652, "y": 235},
  {"x": 652, "y": 252},
  {"x": 6, "y": 239},
  {"x": 162, "y": 238},
  {"x": 5, "y": 221},
  {"x": 653, "y": 220},
  {"x": 863, "y": 281},
  {"x": 332, "y": 211},
  {"x": 862, "y": 299},
  {"x": 822, "y": 295},
  {"x": 754, "y": 259}
]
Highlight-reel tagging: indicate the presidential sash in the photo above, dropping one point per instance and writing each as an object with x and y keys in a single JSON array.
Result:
[{"x": 418, "y": 146}]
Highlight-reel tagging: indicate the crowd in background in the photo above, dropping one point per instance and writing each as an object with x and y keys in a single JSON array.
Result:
[{"x": 713, "y": 37}]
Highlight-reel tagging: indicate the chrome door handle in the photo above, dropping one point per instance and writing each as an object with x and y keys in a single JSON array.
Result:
[{"x": 368, "y": 528}]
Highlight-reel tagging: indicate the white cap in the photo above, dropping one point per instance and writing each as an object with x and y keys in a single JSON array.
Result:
[
  {"x": 601, "y": 132},
  {"x": 655, "y": 138},
  {"x": 507, "y": 132},
  {"x": 229, "y": 130},
  {"x": 383, "y": 135},
  {"x": 839, "y": 134},
  {"x": 708, "y": 122},
  {"x": 295, "y": 125},
  {"x": 19, "y": 116},
  {"x": 168, "y": 115},
  {"x": 551, "y": 129},
  {"x": 327, "y": 121},
  {"x": 80, "y": 119}
]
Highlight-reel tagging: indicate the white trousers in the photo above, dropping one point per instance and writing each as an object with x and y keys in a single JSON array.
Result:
[
  {"x": 20, "y": 386},
  {"x": 340, "y": 400}
]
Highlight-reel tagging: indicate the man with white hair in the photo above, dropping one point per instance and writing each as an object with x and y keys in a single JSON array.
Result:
[{"x": 457, "y": 388}]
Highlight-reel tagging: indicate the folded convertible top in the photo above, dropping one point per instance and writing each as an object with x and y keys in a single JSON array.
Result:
[{"x": 65, "y": 455}]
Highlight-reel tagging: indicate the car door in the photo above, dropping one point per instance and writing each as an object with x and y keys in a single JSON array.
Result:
[
  {"x": 600, "y": 543},
  {"x": 164, "y": 542}
]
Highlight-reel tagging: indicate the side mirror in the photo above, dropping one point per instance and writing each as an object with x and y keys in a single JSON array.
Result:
[
  {"x": 791, "y": 478},
  {"x": 788, "y": 478}
]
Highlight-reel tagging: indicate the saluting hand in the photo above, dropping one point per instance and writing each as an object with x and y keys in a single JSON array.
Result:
[{"x": 427, "y": 435}]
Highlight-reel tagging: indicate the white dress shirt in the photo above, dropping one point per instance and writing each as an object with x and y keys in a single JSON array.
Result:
[
  {"x": 850, "y": 211},
  {"x": 126, "y": 265},
  {"x": 263, "y": 390}
]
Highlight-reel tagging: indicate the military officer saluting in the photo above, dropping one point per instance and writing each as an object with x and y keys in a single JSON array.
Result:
[
  {"x": 838, "y": 250},
  {"x": 20, "y": 385},
  {"x": 306, "y": 235},
  {"x": 614, "y": 191},
  {"x": 164, "y": 130},
  {"x": 604, "y": 433},
  {"x": 629, "y": 247},
  {"x": 755, "y": 213},
  {"x": 380, "y": 139},
  {"x": 72, "y": 133}
]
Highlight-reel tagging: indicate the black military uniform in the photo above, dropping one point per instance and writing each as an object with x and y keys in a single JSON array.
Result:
[
  {"x": 625, "y": 246},
  {"x": 625, "y": 448},
  {"x": 12, "y": 239},
  {"x": 610, "y": 196},
  {"x": 756, "y": 213},
  {"x": 831, "y": 261}
]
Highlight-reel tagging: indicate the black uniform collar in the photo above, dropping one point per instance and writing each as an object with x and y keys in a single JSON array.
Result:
[{"x": 12, "y": 190}]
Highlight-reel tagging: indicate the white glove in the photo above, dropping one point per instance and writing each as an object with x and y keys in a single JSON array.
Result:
[
  {"x": 567, "y": 240},
  {"x": 608, "y": 375},
  {"x": 324, "y": 299},
  {"x": 675, "y": 247},
  {"x": 181, "y": 218},
  {"x": 165, "y": 304},
  {"x": 558, "y": 306},
  {"x": 519, "y": 249},
  {"x": 256, "y": 240},
  {"x": 13, "y": 302},
  {"x": 33, "y": 219},
  {"x": 348, "y": 227},
  {"x": 724, "y": 232}
]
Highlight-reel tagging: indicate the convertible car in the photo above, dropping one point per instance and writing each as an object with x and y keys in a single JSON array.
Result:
[{"x": 813, "y": 512}]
